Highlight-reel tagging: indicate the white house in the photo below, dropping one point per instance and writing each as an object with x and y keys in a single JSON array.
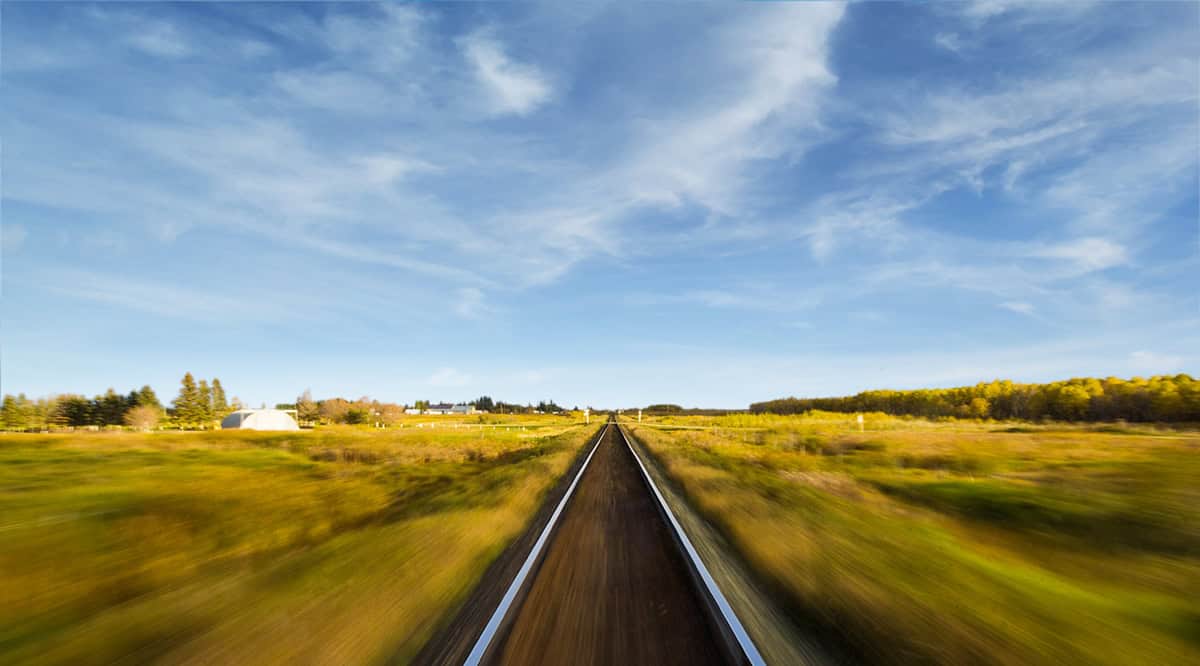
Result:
[{"x": 259, "y": 419}]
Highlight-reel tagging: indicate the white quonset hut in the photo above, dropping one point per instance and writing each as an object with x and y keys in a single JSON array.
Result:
[{"x": 259, "y": 419}]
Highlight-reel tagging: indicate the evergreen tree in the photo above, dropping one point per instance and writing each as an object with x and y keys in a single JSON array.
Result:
[
  {"x": 76, "y": 411},
  {"x": 110, "y": 408},
  {"x": 12, "y": 414},
  {"x": 187, "y": 403},
  {"x": 147, "y": 398},
  {"x": 220, "y": 406},
  {"x": 205, "y": 409}
]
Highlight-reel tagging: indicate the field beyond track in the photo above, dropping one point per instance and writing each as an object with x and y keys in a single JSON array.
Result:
[
  {"x": 956, "y": 542},
  {"x": 335, "y": 546}
]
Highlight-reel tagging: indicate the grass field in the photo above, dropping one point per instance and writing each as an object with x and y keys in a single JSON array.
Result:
[
  {"x": 958, "y": 542},
  {"x": 333, "y": 546}
]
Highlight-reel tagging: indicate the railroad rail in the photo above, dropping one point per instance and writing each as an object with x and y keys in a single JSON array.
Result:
[{"x": 613, "y": 578}]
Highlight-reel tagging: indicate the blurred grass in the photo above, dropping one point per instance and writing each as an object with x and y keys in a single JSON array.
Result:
[
  {"x": 958, "y": 542},
  {"x": 335, "y": 546}
]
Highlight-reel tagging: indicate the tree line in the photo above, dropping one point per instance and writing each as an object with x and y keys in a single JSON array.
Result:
[
  {"x": 1162, "y": 398},
  {"x": 343, "y": 411},
  {"x": 365, "y": 410},
  {"x": 199, "y": 405}
]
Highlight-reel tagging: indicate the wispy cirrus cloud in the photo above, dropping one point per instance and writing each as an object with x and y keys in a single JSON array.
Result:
[
  {"x": 493, "y": 169},
  {"x": 158, "y": 297},
  {"x": 159, "y": 39},
  {"x": 12, "y": 237},
  {"x": 1020, "y": 307},
  {"x": 763, "y": 299},
  {"x": 1085, "y": 254},
  {"x": 950, "y": 41},
  {"x": 511, "y": 87}
]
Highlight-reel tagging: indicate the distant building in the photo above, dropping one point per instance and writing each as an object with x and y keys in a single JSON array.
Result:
[
  {"x": 260, "y": 419},
  {"x": 443, "y": 408}
]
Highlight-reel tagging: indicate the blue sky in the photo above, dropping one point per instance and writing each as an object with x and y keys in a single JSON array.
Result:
[{"x": 604, "y": 204}]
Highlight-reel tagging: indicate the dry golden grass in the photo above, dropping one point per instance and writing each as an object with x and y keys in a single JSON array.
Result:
[
  {"x": 958, "y": 542},
  {"x": 335, "y": 546}
]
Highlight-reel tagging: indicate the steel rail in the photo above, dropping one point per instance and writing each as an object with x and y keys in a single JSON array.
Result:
[
  {"x": 745, "y": 643},
  {"x": 484, "y": 642}
]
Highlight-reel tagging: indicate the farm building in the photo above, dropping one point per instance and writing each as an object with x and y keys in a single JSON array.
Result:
[
  {"x": 259, "y": 419},
  {"x": 443, "y": 408}
]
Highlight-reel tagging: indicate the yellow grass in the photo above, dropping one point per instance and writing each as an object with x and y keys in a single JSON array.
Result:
[
  {"x": 958, "y": 542},
  {"x": 335, "y": 546}
]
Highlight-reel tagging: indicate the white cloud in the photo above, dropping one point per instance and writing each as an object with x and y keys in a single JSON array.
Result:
[
  {"x": 949, "y": 41},
  {"x": 253, "y": 48},
  {"x": 1086, "y": 254},
  {"x": 869, "y": 316},
  {"x": 385, "y": 169},
  {"x": 384, "y": 41},
  {"x": 766, "y": 106},
  {"x": 1019, "y": 307},
  {"x": 448, "y": 378},
  {"x": 870, "y": 223},
  {"x": 162, "y": 298},
  {"x": 159, "y": 38},
  {"x": 1120, "y": 191},
  {"x": 982, "y": 11},
  {"x": 771, "y": 82},
  {"x": 12, "y": 237},
  {"x": 511, "y": 87},
  {"x": 1059, "y": 145},
  {"x": 749, "y": 296},
  {"x": 263, "y": 161},
  {"x": 336, "y": 90}
]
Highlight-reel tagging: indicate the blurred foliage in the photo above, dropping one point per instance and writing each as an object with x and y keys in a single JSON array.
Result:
[
  {"x": 957, "y": 543},
  {"x": 1167, "y": 398},
  {"x": 341, "y": 545},
  {"x": 201, "y": 406}
]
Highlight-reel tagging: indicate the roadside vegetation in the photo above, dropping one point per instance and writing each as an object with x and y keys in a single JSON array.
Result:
[
  {"x": 201, "y": 405},
  {"x": 340, "y": 545},
  {"x": 957, "y": 542}
]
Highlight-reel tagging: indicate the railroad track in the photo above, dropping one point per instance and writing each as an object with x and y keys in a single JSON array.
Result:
[{"x": 612, "y": 579}]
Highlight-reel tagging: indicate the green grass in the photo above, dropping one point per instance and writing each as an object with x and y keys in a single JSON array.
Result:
[
  {"x": 340, "y": 545},
  {"x": 958, "y": 542}
]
